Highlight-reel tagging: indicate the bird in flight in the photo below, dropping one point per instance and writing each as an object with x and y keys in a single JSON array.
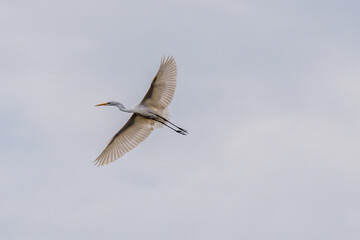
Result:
[{"x": 152, "y": 112}]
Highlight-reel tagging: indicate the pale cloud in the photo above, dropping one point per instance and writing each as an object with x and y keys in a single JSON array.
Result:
[{"x": 268, "y": 92}]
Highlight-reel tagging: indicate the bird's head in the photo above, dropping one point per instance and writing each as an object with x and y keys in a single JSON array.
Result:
[{"x": 111, "y": 103}]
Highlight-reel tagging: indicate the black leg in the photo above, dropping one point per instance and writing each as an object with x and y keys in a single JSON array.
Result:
[
  {"x": 176, "y": 130},
  {"x": 172, "y": 123}
]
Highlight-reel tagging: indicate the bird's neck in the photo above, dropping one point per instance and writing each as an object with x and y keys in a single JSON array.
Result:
[{"x": 122, "y": 108}]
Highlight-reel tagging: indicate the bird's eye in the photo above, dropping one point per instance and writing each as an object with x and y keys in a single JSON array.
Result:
[{"x": 108, "y": 102}]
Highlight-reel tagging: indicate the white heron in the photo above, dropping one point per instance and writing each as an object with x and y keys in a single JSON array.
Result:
[{"x": 152, "y": 112}]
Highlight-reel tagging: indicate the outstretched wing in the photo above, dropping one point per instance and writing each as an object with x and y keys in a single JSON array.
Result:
[
  {"x": 163, "y": 86},
  {"x": 130, "y": 135}
]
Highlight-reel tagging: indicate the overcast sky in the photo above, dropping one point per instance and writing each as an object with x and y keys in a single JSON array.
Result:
[{"x": 269, "y": 91}]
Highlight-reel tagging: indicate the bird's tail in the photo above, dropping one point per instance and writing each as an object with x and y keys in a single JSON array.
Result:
[{"x": 165, "y": 113}]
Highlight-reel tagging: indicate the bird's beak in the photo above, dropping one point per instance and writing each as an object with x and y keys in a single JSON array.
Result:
[{"x": 101, "y": 104}]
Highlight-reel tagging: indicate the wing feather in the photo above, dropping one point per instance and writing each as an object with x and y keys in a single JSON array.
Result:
[
  {"x": 129, "y": 136},
  {"x": 163, "y": 86}
]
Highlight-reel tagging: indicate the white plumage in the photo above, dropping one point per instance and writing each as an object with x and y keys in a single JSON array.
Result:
[{"x": 151, "y": 113}]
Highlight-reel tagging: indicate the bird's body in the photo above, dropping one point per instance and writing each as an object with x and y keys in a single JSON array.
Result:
[
  {"x": 150, "y": 113},
  {"x": 144, "y": 111}
]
